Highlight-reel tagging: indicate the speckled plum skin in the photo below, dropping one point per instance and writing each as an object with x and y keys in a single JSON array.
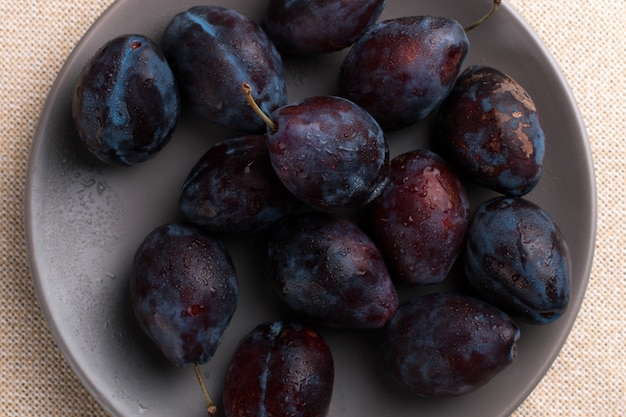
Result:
[
  {"x": 125, "y": 104},
  {"x": 213, "y": 50},
  {"x": 420, "y": 220},
  {"x": 280, "y": 369},
  {"x": 329, "y": 270},
  {"x": 183, "y": 291},
  {"x": 448, "y": 344},
  {"x": 518, "y": 259},
  {"x": 233, "y": 188},
  {"x": 491, "y": 130},
  {"x": 305, "y": 27},
  {"x": 400, "y": 70},
  {"x": 329, "y": 152}
]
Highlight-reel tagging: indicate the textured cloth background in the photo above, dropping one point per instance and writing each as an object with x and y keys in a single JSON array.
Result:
[{"x": 586, "y": 38}]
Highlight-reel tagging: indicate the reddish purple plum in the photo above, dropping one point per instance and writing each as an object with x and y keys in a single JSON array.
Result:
[
  {"x": 420, "y": 220},
  {"x": 280, "y": 369},
  {"x": 400, "y": 70}
]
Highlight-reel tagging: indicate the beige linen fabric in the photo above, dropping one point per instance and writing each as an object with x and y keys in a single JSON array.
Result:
[{"x": 586, "y": 38}]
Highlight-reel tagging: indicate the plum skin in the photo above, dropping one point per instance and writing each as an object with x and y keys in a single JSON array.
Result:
[
  {"x": 448, "y": 344},
  {"x": 280, "y": 369},
  {"x": 213, "y": 50},
  {"x": 518, "y": 259},
  {"x": 400, "y": 70},
  {"x": 305, "y": 27},
  {"x": 183, "y": 291},
  {"x": 328, "y": 269},
  {"x": 125, "y": 103},
  {"x": 233, "y": 188},
  {"x": 329, "y": 152},
  {"x": 420, "y": 220},
  {"x": 491, "y": 131}
]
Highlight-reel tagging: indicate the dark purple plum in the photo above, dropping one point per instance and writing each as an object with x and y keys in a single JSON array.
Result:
[
  {"x": 518, "y": 259},
  {"x": 281, "y": 370},
  {"x": 125, "y": 104},
  {"x": 234, "y": 189},
  {"x": 329, "y": 152},
  {"x": 305, "y": 27},
  {"x": 329, "y": 270},
  {"x": 213, "y": 50},
  {"x": 420, "y": 220},
  {"x": 183, "y": 292},
  {"x": 490, "y": 128},
  {"x": 448, "y": 344},
  {"x": 401, "y": 69}
]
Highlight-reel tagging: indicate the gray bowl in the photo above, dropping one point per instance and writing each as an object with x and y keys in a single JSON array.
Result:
[{"x": 84, "y": 221}]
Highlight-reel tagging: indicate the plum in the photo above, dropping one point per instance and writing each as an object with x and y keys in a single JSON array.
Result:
[
  {"x": 328, "y": 151},
  {"x": 420, "y": 220},
  {"x": 183, "y": 291},
  {"x": 280, "y": 369},
  {"x": 518, "y": 259},
  {"x": 213, "y": 50},
  {"x": 125, "y": 103},
  {"x": 448, "y": 344},
  {"x": 234, "y": 189},
  {"x": 491, "y": 131},
  {"x": 401, "y": 69},
  {"x": 328, "y": 269},
  {"x": 305, "y": 27}
]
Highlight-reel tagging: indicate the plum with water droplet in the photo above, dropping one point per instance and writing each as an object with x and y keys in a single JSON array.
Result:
[
  {"x": 401, "y": 69},
  {"x": 420, "y": 220},
  {"x": 213, "y": 50},
  {"x": 518, "y": 259},
  {"x": 491, "y": 131},
  {"x": 125, "y": 104},
  {"x": 448, "y": 344},
  {"x": 234, "y": 189},
  {"x": 280, "y": 369},
  {"x": 328, "y": 269},
  {"x": 183, "y": 291}
]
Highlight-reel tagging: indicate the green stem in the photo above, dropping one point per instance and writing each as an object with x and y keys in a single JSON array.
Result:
[{"x": 496, "y": 4}]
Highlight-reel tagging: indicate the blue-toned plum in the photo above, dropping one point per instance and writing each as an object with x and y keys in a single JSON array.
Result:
[
  {"x": 420, "y": 220},
  {"x": 329, "y": 270},
  {"x": 448, "y": 344},
  {"x": 183, "y": 291},
  {"x": 212, "y": 51},
  {"x": 329, "y": 152},
  {"x": 401, "y": 69},
  {"x": 305, "y": 27},
  {"x": 518, "y": 259},
  {"x": 491, "y": 130},
  {"x": 126, "y": 104},
  {"x": 234, "y": 189},
  {"x": 280, "y": 369}
]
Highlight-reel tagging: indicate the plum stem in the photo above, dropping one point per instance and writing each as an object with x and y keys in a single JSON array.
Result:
[
  {"x": 247, "y": 91},
  {"x": 496, "y": 4},
  {"x": 211, "y": 407}
]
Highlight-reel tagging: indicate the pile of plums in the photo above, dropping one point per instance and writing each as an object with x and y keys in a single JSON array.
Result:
[{"x": 347, "y": 227}]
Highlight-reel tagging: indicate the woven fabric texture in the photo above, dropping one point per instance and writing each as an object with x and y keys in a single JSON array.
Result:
[{"x": 586, "y": 39}]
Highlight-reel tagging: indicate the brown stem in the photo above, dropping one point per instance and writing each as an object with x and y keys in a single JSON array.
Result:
[
  {"x": 211, "y": 407},
  {"x": 246, "y": 89}
]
